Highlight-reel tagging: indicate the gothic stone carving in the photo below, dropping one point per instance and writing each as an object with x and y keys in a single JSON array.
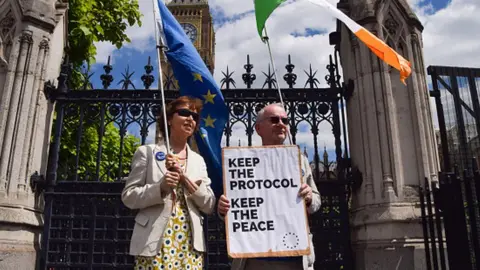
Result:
[
  {"x": 7, "y": 28},
  {"x": 26, "y": 37},
  {"x": 44, "y": 44},
  {"x": 391, "y": 26},
  {"x": 7, "y": 25}
]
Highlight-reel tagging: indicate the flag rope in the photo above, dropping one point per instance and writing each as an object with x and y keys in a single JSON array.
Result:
[
  {"x": 265, "y": 38},
  {"x": 160, "y": 48}
]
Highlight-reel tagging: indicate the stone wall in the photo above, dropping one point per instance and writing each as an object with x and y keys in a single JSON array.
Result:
[
  {"x": 28, "y": 58},
  {"x": 391, "y": 137}
]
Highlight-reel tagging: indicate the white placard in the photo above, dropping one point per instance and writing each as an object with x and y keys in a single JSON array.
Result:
[{"x": 267, "y": 218}]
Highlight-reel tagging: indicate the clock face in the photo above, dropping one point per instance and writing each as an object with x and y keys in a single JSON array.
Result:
[{"x": 190, "y": 30}]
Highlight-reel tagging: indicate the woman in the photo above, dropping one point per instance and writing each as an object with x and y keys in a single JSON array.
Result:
[{"x": 170, "y": 190}]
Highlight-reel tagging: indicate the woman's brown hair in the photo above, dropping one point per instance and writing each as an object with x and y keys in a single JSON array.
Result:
[{"x": 192, "y": 103}]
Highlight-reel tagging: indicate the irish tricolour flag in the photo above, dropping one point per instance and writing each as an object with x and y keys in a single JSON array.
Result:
[{"x": 263, "y": 9}]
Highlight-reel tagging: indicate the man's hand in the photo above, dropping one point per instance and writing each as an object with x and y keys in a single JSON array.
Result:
[
  {"x": 306, "y": 193},
  {"x": 223, "y": 205}
]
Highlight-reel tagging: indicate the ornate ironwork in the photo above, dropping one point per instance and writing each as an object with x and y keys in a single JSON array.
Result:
[
  {"x": 127, "y": 79},
  {"x": 107, "y": 78},
  {"x": 227, "y": 80},
  {"x": 86, "y": 75},
  {"x": 312, "y": 82},
  {"x": 86, "y": 223},
  {"x": 148, "y": 78},
  {"x": 348, "y": 89},
  {"x": 248, "y": 77},
  {"x": 270, "y": 81},
  {"x": 290, "y": 77},
  {"x": 37, "y": 182},
  {"x": 48, "y": 89},
  {"x": 65, "y": 71}
]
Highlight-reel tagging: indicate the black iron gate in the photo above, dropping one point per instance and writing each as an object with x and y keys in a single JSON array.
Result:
[
  {"x": 86, "y": 224},
  {"x": 450, "y": 210}
]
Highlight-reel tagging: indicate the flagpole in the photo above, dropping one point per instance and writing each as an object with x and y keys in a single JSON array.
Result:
[
  {"x": 275, "y": 75},
  {"x": 160, "y": 48}
]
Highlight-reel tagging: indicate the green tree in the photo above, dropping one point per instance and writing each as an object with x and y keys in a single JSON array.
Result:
[
  {"x": 110, "y": 158},
  {"x": 99, "y": 20},
  {"x": 93, "y": 21}
]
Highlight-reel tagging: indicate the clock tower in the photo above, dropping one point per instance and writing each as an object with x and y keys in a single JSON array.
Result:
[{"x": 195, "y": 18}]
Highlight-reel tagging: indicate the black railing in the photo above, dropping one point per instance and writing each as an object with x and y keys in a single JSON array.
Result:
[
  {"x": 458, "y": 110},
  {"x": 450, "y": 212},
  {"x": 96, "y": 132}
]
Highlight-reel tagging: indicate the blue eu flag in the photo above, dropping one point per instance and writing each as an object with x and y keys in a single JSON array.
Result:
[{"x": 195, "y": 80}]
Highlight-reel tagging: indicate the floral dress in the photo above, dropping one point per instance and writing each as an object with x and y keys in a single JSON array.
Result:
[{"x": 177, "y": 248}]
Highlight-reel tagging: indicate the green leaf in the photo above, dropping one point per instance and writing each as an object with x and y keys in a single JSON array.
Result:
[
  {"x": 99, "y": 29},
  {"x": 91, "y": 21},
  {"x": 85, "y": 30},
  {"x": 98, "y": 20}
]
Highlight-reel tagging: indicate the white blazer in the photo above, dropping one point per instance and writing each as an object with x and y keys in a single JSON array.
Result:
[{"x": 142, "y": 191}]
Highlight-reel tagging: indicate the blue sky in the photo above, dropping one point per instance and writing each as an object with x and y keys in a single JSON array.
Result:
[
  {"x": 306, "y": 40},
  {"x": 437, "y": 4},
  {"x": 136, "y": 59}
]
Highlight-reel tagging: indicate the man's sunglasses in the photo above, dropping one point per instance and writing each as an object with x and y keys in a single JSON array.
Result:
[
  {"x": 275, "y": 120},
  {"x": 187, "y": 113}
]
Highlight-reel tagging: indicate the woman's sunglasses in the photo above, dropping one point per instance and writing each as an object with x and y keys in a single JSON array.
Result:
[
  {"x": 187, "y": 113},
  {"x": 276, "y": 119}
]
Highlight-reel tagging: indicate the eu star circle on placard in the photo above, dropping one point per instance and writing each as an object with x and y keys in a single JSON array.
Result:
[{"x": 290, "y": 240}]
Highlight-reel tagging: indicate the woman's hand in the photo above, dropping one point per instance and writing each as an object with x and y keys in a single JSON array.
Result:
[
  {"x": 170, "y": 162},
  {"x": 171, "y": 180},
  {"x": 172, "y": 165}
]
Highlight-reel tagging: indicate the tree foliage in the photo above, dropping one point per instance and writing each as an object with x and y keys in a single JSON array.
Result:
[
  {"x": 98, "y": 20},
  {"x": 93, "y": 21},
  {"x": 110, "y": 159}
]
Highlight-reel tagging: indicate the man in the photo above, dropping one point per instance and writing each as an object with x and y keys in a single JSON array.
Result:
[{"x": 272, "y": 127}]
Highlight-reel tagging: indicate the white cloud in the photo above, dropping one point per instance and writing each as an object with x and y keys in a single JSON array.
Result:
[
  {"x": 234, "y": 6},
  {"x": 105, "y": 49},
  {"x": 450, "y": 38},
  {"x": 237, "y": 39},
  {"x": 141, "y": 37}
]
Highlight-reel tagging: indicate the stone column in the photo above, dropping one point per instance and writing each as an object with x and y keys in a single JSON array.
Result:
[
  {"x": 391, "y": 137},
  {"x": 27, "y": 29}
]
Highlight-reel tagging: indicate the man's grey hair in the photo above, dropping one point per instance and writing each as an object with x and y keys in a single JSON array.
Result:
[{"x": 261, "y": 113}]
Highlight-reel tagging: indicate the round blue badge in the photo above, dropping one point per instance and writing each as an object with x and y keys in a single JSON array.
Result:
[
  {"x": 160, "y": 156},
  {"x": 303, "y": 172}
]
